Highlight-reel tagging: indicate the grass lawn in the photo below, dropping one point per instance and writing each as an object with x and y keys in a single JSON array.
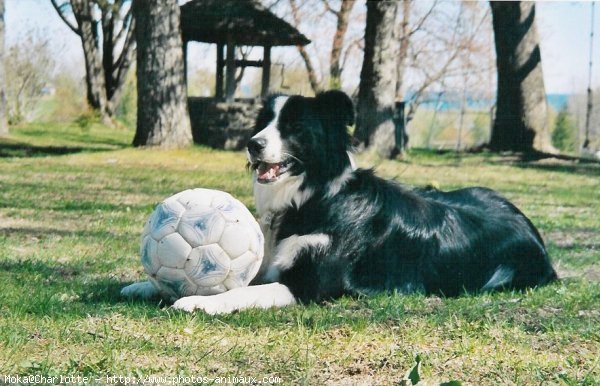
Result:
[{"x": 72, "y": 206}]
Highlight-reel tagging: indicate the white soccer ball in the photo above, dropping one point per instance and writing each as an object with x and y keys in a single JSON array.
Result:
[{"x": 201, "y": 242}]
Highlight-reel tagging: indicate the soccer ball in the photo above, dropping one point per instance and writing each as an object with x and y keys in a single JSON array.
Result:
[{"x": 200, "y": 242}]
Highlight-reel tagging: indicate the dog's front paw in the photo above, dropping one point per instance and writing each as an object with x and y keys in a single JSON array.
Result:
[{"x": 205, "y": 303}]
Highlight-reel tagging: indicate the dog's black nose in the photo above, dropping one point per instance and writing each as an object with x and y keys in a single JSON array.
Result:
[{"x": 256, "y": 145}]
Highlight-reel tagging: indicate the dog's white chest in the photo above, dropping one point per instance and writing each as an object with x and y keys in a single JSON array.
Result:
[{"x": 269, "y": 224}]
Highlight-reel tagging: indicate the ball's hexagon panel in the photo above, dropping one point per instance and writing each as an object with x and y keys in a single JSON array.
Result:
[
  {"x": 195, "y": 197},
  {"x": 173, "y": 251},
  {"x": 201, "y": 225},
  {"x": 175, "y": 282},
  {"x": 147, "y": 229},
  {"x": 165, "y": 290},
  {"x": 228, "y": 207},
  {"x": 149, "y": 255},
  {"x": 257, "y": 240},
  {"x": 208, "y": 265},
  {"x": 243, "y": 270},
  {"x": 235, "y": 240},
  {"x": 187, "y": 288},
  {"x": 165, "y": 218}
]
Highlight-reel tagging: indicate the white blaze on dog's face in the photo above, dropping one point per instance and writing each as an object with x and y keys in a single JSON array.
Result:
[
  {"x": 266, "y": 148},
  {"x": 274, "y": 145}
]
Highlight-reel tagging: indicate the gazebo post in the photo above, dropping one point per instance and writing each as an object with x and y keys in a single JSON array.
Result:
[
  {"x": 230, "y": 72},
  {"x": 266, "y": 72},
  {"x": 220, "y": 65}
]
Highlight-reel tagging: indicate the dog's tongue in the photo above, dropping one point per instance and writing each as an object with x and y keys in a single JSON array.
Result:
[{"x": 267, "y": 171}]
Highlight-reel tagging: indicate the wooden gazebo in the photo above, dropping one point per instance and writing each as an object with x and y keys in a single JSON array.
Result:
[{"x": 230, "y": 23}]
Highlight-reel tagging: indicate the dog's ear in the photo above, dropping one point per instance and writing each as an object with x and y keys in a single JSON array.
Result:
[{"x": 337, "y": 107}]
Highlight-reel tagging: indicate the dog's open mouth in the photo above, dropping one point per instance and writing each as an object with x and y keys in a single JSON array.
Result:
[{"x": 270, "y": 172}]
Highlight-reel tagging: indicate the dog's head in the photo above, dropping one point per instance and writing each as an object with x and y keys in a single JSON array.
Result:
[{"x": 296, "y": 135}]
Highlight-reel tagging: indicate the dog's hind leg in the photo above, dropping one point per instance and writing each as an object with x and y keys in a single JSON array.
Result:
[
  {"x": 501, "y": 278},
  {"x": 141, "y": 290}
]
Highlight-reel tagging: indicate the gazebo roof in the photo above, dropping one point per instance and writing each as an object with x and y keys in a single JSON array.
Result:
[{"x": 245, "y": 22}]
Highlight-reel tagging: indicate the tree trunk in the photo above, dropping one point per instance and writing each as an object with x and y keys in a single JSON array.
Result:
[
  {"x": 163, "y": 118},
  {"x": 335, "y": 68},
  {"x": 377, "y": 90},
  {"x": 404, "y": 40},
  {"x": 3, "y": 120},
  {"x": 119, "y": 70},
  {"x": 521, "y": 122},
  {"x": 94, "y": 72}
]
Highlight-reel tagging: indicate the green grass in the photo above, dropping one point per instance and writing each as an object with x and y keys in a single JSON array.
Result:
[{"x": 72, "y": 205}]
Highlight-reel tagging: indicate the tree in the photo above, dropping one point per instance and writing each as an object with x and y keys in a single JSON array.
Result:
[
  {"x": 377, "y": 90},
  {"x": 3, "y": 119},
  {"x": 339, "y": 48},
  {"x": 440, "y": 43},
  {"x": 163, "y": 118},
  {"x": 106, "y": 30},
  {"x": 335, "y": 63},
  {"x": 29, "y": 70},
  {"x": 521, "y": 122}
]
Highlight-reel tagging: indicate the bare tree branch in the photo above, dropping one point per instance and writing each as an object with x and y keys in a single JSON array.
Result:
[
  {"x": 335, "y": 69},
  {"x": 127, "y": 44},
  {"x": 424, "y": 18},
  {"x": 245, "y": 54},
  {"x": 272, "y": 5},
  {"x": 125, "y": 26},
  {"x": 357, "y": 43},
  {"x": 312, "y": 77},
  {"x": 328, "y": 7},
  {"x": 444, "y": 72},
  {"x": 60, "y": 10}
]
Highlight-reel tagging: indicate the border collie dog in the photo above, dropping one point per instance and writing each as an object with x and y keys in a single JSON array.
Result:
[{"x": 332, "y": 229}]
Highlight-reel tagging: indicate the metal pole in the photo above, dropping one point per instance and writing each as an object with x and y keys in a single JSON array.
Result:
[{"x": 588, "y": 114}]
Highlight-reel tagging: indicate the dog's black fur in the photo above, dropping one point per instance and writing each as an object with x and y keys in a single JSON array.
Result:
[{"x": 385, "y": 236}]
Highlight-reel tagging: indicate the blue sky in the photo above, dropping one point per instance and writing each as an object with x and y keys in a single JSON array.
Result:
[{"x": 564, "y": 29}]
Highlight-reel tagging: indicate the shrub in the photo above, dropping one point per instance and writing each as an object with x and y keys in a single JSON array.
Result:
[{"x": 564, "y": 133}]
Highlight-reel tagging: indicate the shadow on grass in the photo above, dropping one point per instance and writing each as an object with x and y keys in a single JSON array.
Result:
[
  {"x": 587, "y": 169},
  {"x": 48, "y": 271},
  {"x": 72, "y": 134},
  {"x": 544, "y": 162},
  {"x": 67, "y": 205},
  {"x": 69, "y": 290},
  {"x": 107, "y": 290},
  {"x": 536, "y": 161},
  {"x": 42, "y": 233},
  {"x": 58, "y": 289},
  {"x": 70, "y": 293},
  {"x": 23, "y": 150}
]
